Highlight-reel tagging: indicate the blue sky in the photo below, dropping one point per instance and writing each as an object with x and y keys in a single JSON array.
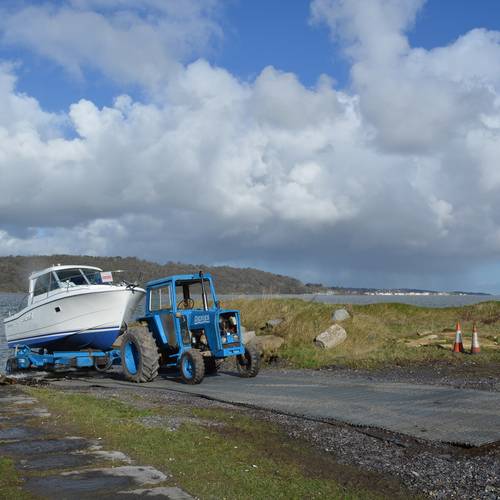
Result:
[
  {"x": 201, "y": 131},
  {"x": 257, "y": 34}
]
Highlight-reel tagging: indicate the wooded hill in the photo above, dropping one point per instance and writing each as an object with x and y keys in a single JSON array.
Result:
[{"x": 14, "y": 272}]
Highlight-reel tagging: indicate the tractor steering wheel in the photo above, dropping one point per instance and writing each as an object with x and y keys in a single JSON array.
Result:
[{"x": 186, "y": 303}]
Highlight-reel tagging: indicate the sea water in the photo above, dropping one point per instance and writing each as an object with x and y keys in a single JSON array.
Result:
[{"x": 8, "y": 304}]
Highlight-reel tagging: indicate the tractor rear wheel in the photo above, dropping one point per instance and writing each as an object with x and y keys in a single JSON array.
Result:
[
  {"x": 192, "y": 367},
  {"x": 248, "y": 364},
  {"x": 11, "y": 366},
  {"x": 139, "y": 353}
]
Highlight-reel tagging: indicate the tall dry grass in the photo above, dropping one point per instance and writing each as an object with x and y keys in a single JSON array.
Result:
[{"x": 376, "y": 332}]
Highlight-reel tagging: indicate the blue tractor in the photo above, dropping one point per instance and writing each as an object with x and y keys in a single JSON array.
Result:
[{"x": 184, "y": 327}]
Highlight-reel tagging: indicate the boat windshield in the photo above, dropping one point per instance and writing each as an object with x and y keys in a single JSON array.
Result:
[
  {"x": 71, "y": 276},
  {"x": 93, "y": 276}
]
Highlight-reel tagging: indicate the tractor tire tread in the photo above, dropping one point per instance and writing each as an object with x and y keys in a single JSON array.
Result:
[
  {"x": 248, "y": 364},
  {"x": 198, "y": 365},
  {"x": 149, "y": 355}
]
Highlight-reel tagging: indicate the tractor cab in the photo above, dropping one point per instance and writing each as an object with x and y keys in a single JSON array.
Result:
[{"x": 184, "y": 318}]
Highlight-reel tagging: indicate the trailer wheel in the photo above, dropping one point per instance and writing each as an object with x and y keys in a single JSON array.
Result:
[
  {"x": 192, "y": 367},
  {"x": 248, "y": 364},
  {"x": 139, "y": 353}
]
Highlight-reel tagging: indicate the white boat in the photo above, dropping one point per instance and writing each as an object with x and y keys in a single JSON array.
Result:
[{"x": 72, "y": 307}]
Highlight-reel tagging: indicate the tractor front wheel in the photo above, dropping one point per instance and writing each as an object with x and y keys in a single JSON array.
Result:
[
  {"x": 192, "y": 367},
  {"x": 248, "y": 364},
  {"x": 139, "y": 353}
]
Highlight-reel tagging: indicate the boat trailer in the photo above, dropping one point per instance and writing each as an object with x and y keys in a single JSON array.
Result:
[{"x": 24, "y": 358}]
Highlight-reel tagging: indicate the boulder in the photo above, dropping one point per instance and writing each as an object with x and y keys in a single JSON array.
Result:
[
  {"x": 340, "y": 315},
  {"x": 267, "y": 345},
  {"x": 331, "y": 337},
  {"x": 4, "y": 380},
  {"x": 248, "y": 336},
  {"x": 273, "y": 323}
]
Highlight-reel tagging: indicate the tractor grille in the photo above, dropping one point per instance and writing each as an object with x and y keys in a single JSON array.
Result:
[{"x": 231, "y": 344}]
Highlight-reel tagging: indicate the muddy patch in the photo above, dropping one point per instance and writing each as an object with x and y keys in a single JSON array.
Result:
[
  {"x": 95, "y": 483},
  {"x": 87, "y": 485},
  {"x": 171, "y": 493},
  {"x": 16, "y": 433},
  {"x": 42, "y": 447},
  {"x": 58, "y": 461}
]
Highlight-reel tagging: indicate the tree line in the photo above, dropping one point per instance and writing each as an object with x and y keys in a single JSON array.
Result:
[{"x": 15, "y": 271}]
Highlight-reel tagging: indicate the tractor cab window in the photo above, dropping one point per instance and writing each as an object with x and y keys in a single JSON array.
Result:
[
  {"x": 189, "y": 294},
  {"x": 159, "y": 299}
]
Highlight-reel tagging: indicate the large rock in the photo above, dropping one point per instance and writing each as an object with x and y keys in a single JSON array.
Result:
[
  {"x": 267, "y": 345},
  {"x": 4, "y": 380},
  {"x": 331, "y": 337},
  {"x": 340, "y": 315},
  {"x": 273, "y": 323},
  {"x": 248, "y": 336}
]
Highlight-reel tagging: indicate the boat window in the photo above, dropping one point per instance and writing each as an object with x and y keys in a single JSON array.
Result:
[
  {"x": 53, "y": 285},
  {"x": 42, "y": 284},
  {"x": 93, "y": 276},
  {"x": 160, "y": 299},
  {"x": 72, "y": 276}
]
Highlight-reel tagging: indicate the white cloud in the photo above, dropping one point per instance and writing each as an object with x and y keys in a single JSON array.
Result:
[
  {"x": 396, "y": 174},
  {"x": 417, "y": 100},
  {"x": 133, "y": 42}
]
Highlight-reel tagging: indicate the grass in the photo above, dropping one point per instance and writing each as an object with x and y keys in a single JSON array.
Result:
[
  {"x": 235, "y": 457},
  {"x": 10, "y": 484},
  {"x": 376, "y": 333}
]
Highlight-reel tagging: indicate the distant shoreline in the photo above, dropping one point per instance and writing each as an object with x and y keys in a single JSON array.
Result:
[{"x": 398, "y": 293}]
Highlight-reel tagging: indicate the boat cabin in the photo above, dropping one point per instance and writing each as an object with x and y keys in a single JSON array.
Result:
[{"x": 62, "y": 277}]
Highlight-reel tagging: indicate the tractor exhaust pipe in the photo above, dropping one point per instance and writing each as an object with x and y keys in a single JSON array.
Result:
[{"x": 203, "y": 293}]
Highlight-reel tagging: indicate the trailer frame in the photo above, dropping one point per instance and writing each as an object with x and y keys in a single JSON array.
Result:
[{"x": 25, "y": 358}]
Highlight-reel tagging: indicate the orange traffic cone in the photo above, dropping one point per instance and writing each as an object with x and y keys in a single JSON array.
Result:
[
  {"x": 474, "y": 348},
  {"x": 458, "y": 346}
]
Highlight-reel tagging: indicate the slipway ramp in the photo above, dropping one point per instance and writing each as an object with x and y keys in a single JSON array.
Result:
[{"x": 437, "y": 413}]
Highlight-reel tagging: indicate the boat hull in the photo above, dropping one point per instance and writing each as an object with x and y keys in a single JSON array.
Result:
[{"x": 86, "y": 318}]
